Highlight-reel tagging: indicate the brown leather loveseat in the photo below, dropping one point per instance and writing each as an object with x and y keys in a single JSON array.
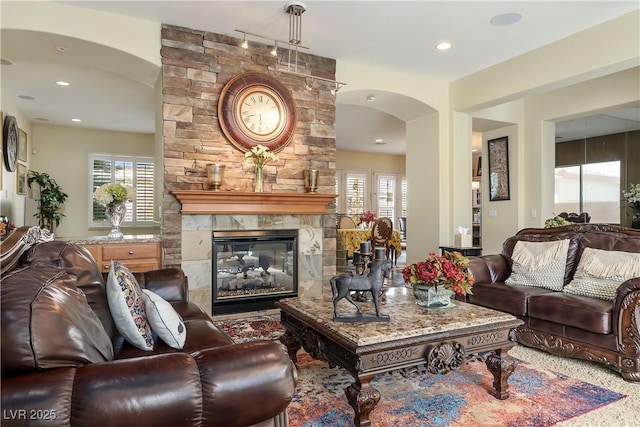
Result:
[
  {"x": 58, "y": 371},
  {"x": 562, "y": 323}
]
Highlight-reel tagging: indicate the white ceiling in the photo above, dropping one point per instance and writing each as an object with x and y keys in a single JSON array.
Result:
[{"x": 392, "y": 34}]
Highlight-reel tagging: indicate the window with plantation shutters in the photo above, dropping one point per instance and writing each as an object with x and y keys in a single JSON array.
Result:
[
  {"x": 355, "y": 193},
  {"x": 403, "y": 197},
  {"x": 386, "y": 195},
  {"x": 135, "y": 171}
]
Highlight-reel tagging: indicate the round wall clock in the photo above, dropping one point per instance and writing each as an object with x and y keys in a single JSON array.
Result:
[
  {"x": 10, "y": 142},
  {"x": 255, "y": 108}
]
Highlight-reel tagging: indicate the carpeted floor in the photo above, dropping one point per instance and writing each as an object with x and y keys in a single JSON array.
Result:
[{"x": 545, "y": 390}]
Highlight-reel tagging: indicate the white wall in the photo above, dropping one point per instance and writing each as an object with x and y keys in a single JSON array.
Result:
[{"x": 63, "y": 153}]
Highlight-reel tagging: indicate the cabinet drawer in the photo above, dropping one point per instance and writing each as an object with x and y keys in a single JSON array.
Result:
[
  {"x": 130, "y": 252},
  {"x": 134, "y": 266},
  {"x": 95, "y": 251}
]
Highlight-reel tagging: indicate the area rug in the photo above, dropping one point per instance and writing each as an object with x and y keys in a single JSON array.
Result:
[{"x": 460, "y": 398}]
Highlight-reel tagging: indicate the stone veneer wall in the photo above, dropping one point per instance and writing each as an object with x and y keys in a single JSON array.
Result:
[{"x": 196, "y": 66}]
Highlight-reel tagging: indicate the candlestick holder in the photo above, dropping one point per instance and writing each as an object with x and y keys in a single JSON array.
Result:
[
  {"x": 311, "y": 180},
  {"x": 214, "y": 175}
]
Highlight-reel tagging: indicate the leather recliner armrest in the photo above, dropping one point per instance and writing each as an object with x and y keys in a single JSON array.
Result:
[
  {"x": 231, "y": 386},
  {"x": 170, "y": 283},
  {"x": 625, "y": 307},
  {"x": 489, "y": 268},
  {"x": 247, "y": 383}
]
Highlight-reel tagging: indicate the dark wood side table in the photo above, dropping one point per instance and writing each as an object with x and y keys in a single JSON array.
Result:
[{"x": 465, "y": 251}]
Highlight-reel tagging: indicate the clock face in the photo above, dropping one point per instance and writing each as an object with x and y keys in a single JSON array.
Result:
[
  {"x": 255, "y": 108},
  {"x": 10, "y": 142},
  {"x": 260, "y": 113}
]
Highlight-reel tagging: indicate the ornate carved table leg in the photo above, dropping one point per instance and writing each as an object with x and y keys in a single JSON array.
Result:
[
  {"x": 293, "y": 344},
  {"x": 501, "y": 370},
  {"x": 363, "y": 399}
]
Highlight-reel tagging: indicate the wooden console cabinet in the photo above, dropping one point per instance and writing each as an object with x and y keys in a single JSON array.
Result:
[{"x": 136, "y": 256}]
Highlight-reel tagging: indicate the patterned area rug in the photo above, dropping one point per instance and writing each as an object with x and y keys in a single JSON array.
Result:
[{"x": 461, "y": 398}]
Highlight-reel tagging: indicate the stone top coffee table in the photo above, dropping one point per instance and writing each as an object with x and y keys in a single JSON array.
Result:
[{"x": 416, "y": 340}]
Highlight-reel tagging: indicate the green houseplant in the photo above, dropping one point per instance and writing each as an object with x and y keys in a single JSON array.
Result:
[{"x": 51, "y": 198}]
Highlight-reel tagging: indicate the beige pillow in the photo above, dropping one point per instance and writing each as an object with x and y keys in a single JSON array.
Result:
[
  {"x": 600, "y": 273},
  {"x": 164, "y": 320},
  {"x": 539, "y": 264}
]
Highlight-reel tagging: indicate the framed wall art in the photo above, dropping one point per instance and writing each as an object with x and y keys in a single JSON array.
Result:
[
  {"x": 499, "y": 169},
  {"x": 22, "y": 145},
  {"x": 21, "y": 179}
]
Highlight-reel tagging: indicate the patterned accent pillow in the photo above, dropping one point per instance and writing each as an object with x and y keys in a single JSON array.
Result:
[
  {"x": 600, "y": 273},
  {"x": 164, "y": 320},
  {"x": 126, "y": 302},
  {"x": 539, "y": 264}
]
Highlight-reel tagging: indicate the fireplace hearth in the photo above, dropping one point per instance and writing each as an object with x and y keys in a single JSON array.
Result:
[{"x": 252, "y": 269}]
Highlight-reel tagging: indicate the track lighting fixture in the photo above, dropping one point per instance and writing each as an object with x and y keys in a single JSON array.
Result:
[
  {"x": 309, "y": 83},
  {"x": 295, "y": 9},
  {"x": 334, "y": 91}
]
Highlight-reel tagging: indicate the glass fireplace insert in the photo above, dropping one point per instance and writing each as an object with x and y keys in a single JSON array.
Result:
[{"x": 252, "y": 269}]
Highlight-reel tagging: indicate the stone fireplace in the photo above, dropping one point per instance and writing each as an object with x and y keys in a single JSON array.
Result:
[
  {"x": 205, "y": 212},
  {"x": 196, "y": 66}
]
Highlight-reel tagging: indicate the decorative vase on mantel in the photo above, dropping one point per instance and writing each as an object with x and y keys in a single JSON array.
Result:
[
  {"x": 428, "y": 296},
  {"x": 258, "y": 186},
  {"x": 116, "y": 212}
]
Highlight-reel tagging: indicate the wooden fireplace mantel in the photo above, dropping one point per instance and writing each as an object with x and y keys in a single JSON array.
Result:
[{"x": 196, "y": 202}]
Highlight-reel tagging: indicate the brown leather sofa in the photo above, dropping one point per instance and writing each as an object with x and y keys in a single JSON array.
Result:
[
  {"x": 50, "y": 372},
  {"x": 564, "y": 324}
]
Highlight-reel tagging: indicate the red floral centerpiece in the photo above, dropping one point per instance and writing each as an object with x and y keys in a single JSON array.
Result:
[
  {"x": 367, "y": 218},
  {"x": 449, "y": 271}
]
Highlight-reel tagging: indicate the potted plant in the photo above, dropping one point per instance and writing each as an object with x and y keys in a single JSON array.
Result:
[
  {"x": 437, "y": 278},
  {"x": 113, "y": 196},
  {"x": 50, "y": 199}
]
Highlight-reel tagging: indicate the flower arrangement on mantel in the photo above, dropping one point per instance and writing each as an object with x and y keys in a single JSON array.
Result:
[
  {"x": 260, "y": 155},
  {"x": 449, "y": 270},
  {"x": 633, "y": 199},
  {"x": 367, "y": 218},
  {"x": 107, "y": 194}
]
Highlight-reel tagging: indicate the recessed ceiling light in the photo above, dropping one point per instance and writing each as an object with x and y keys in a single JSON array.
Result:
[
  {"x": 61, "y": 48},
  {"x": 443, "y": 45},
  {"x": 42, "y": 119},
  {"x": 5, "y": 62},
  {"x": 505, "y": 19},
  {"x": 76, "y": 120},
  {"x": 379, "y": 141},
  {"x": 62, "y": 83},
  {"x": 371, "y": 98},
  {"x": 26, "y": 97}
]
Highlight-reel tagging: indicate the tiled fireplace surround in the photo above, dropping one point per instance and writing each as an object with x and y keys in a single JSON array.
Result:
[
  {"x": 196, "y": 66},
  {"x": 197, "y": 249}
]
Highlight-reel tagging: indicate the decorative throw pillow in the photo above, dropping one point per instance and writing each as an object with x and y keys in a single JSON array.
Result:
[
  {"x": 164, "y": 320},
  {"x": 600, "y": 273},
  {"x": 539, "y": 264},
  {"x": 126, "y": 302}
]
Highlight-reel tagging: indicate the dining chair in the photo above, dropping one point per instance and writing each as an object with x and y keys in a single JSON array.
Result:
[
  {"x": 381, "y": 234},
  {"x": 346, "y": 222}
]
